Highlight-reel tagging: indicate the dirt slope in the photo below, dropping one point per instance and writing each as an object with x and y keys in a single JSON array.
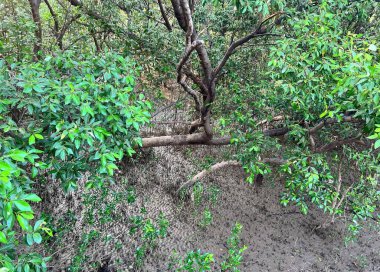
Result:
[{"x": 278, "y": 238}]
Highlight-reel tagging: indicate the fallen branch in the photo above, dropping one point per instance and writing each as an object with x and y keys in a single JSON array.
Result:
[
  {"x": 186, "y": 139},
  {"x": 203, "y": 139},
  {"x": 184, "y": 187},
  {"x": 337, "y": 144},
  {"x": 331, "y": 121}
]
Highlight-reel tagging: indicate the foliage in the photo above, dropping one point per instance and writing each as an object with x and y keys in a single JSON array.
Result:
[
  {"x": 149, "y": 232},
  {"x": 259, "y": 6},
  {"x": 80, "y": 257},
  {"x": 77, "y": 114},
  {"x": 332, "y": 73},
  {"x": 235, "y": 257},
  {"x": 62, "y": 118},
  {"x": 327, "y": 68},
  {"x": 205, "y": 198},
  {"x": 196, "y": 261},
  {"x": 65, "y": 106},
  {"x": 199, "y": 261}
]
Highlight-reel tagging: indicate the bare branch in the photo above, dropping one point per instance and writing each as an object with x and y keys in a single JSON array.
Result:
[
  {"x": 196, "y": 79},
  {"x": 54, "y": 16},
  {"x": 191, "y": 92},
  {"x": 189, "y": 49},
  {"x": 259, "y": 32},
  {"x": 233, "y": 46},
  {"x": 337, "y": 144},
  {"x": 219, "y": 166},
  {"x": 186, "y": 139},
  {"x": 330, "y": 121},
  {"x": 164, "y": 16}
]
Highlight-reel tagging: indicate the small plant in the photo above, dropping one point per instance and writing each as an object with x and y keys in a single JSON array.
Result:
[
  {"x": 207, "y": 162},
  {"x": 149, "y": 232},
  {"x": 102, "y": 211},
  {"x": 235, "y": 252},
  {"x": 163, "y": 224},
  {"x": 197, "y": 261},
  {"x": 206, "y": 218},
  {"x": 198, "y": 191},
  {"x": 214, "y": 193},
  {"x": 80, "y": 257},
  {"x": 361, "y": 262}
]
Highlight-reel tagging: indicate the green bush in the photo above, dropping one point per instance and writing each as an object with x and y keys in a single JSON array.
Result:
[{"x": 66, "y": 117}]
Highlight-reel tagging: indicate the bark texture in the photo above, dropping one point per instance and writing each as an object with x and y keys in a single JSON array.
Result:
[{"x": 35, "y": 8}]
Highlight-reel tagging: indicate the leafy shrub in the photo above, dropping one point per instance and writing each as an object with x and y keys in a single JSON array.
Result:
[
  {"x": 196, "y": 261},
  {"x": 66, "y": 118}
]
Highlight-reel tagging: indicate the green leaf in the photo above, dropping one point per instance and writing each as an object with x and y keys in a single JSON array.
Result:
[
  {"x": 34, "y": 172},
  {"x": 27, "y": 215},
  {"x": 373, "y": 137},
  {"x": 37, "y": 237},
  {"x": 38, "y": 224},
  {"x": 377, "y": 144},
  {"x": 323, "y": 114},
  {"x": 23, "y": 222},
  {"x": 32, "y": 139},
  {"x": 18, "y": 155},
  {"x": 3, "y": 238},
  {"x": 38, "y": 89},
  {"x": 27, "y": 89},
  {"x": 32, "y": 197},
  {"x": 39, "y": 136},
  {"x": 29, "y": 239},
  {"x": 22, "y": 205}
]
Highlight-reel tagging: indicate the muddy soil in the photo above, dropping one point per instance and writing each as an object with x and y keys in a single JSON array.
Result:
[{"x": 278, "y": 238}]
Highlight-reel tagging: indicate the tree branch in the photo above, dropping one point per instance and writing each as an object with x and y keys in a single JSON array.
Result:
[
  {"x": 196, "y": 79},
  {"x": 100, "y": 18},
  {"x": 219, "y": 166},
  {"x": 164, "y": 16},
  {"x": 191, "y": 92},
  {"x": 55, "y": 19},
  {"x": 189, "y": 49},
  {"x": 330, "y": 121},
  {"x": 259, "y": 32},
  {"x": 337, "y": 144},
  {"x": 186, "y": 139}
]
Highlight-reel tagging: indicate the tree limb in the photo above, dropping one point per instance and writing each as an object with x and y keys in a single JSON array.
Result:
[
  {"x": 219, "y": 166},
  {"x": 233, "y": 45},
  {"x": 56, "y": 22},
  {"x": 191, "y": 92},
  {"x": 330, "y": 121},
  {"x": 164, "y": 16},
  {"x": 189, "y": 49}
]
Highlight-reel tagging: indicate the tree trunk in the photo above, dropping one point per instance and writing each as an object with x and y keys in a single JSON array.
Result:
[{"x": 35, "y": 7}]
